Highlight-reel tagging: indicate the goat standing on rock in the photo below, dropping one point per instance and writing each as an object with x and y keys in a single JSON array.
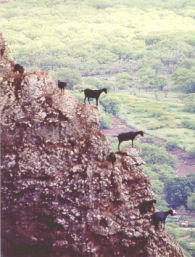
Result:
[
  {"x": 112, "y": 158},
  {"x": 160, "y": 217},
  {"x": 128, "y": 136},
  {"x": 62, "y": 85},
  {"x": 89, "y": 93},
  {"x": 147, "y": 206},
  {"x": 19, "y": 68}
]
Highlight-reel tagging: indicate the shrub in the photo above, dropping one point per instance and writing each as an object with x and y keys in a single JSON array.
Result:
[
  {"x": 161, "y": 203},
  {"x": 172, "y": 144},
  {"x": 191, "y": 201},
  {"x": 110, "y": 104},
  {"x": 163, "y": 171},
  {"x": 190, "y": 124},
  {"x": 155, "y": 125},
  {"x": 189, "y": 103},
  {"x": 156, "y": 114},
  {"x": 178, "y": 189},
  {"x": 192, "y": 151},
  {"x": 123, "y": 78},
  {"x": 157, "y": 155},
  {"x": 105, "y": 120}
]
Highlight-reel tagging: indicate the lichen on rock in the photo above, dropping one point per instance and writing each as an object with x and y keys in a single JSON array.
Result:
[{"x": 60, "y": 194}]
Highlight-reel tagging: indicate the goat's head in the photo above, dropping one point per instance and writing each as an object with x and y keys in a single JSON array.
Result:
[
  {"x": 141, "y": 133},
  {"x": 104, "y": 90},
  {"x": 172, "y": 212}
]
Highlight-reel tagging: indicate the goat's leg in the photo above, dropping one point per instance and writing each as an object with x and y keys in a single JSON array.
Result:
[
  {"x": 85, "y": 99},
  {"x": 161, "y": 225},
  {"x": 119, "y": 146},
  {"x": 96, "y": 101},
  {"x": 88, "y": 100},
  {"x": 152, "y": 209},
  {"x": 132, "y": 143},
  {"x": 156, "y": 224}
]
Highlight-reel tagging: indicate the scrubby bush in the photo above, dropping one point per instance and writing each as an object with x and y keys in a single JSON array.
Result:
[
  {"x": 123, "y": 78},
  {"x": 105, "y": 120},
  {"x": 192, "y": 151},
  {"x": 190, "y": 124},
  {"x": 156, "y": 113},
  {"x": 155, "y": 125},
  {"x": 178, "y": 190},
  {"x": 189, "y": 103},
  {"x": 172, "y": 144},
  {"x": 157, "y": 155},
  {"x": 164, "y": 171},
  {"x": 191, "y": 201},
  {"x": 110, "y": 104}
]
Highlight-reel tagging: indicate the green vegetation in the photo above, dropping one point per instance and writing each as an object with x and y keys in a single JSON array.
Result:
[
  {"x": 157, "y": 155},
  {"x": 165, "y": 119},
  {"x": 191, "y": 201},
  {"x": 185, "y": 237},
  {"x": 129, "y": 43},
  {"x": 142, "y": 51},
  {"x": 189, "y": 103},
  {"x": 180, "y": 191}
]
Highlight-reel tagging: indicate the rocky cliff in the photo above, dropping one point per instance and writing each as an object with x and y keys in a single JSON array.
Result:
[{"x": 61, "y": 196}]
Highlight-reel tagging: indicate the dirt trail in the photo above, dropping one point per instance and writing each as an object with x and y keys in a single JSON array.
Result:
[
  {"x": 183, "y": 238},
  {"x": 186, "y": 163}
]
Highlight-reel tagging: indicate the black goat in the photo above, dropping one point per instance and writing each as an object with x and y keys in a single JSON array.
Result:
[
  {"x": 112, "y": 158},
  {"x": 2, "y": 49},
  {"x": 19, "y": 68},
  {"x": 128, "y": 136},
  {"x": 89, "y": 93},
  {"x": 62, "y": 85},
  {"x": 160, "y": 217},
  {"x": 147, "y": 206}
]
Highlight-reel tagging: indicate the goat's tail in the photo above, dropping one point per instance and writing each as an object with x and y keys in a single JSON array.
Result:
[
  {"x": 115, "y": 136},
  {"x": 81, "y": 90}
]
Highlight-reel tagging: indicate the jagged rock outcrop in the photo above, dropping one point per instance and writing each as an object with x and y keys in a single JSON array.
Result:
[{"x": 60, "y": 195}]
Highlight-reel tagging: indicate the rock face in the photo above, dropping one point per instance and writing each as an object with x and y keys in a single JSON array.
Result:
[{"x": 61, "y": 196}]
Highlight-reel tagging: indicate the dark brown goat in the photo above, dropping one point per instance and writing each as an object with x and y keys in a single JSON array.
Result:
[
  {"x": 112, "y": 158},
  {"x": 2, "y": 49},
  {"x": 147, "y": 206},
  {"x": 160, "y": 217},
  {"x": 19, "y": 68},
  {"x": 89, "y": 93},
  {"x": 62, "y": 85},
  {"x": 128, "y": 136}
]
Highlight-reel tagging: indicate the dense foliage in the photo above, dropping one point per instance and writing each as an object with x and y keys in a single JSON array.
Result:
[
  {"x": 180, "y": 191},
  {"x": 141, "y": 44}
]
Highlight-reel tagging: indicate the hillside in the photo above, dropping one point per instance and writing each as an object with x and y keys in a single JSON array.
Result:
[
  {"x": 60, "y": 194},
  {"x": 149, "y": 41}
]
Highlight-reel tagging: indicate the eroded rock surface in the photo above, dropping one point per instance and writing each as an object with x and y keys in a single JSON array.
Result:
[{"x": 60, "y": 195}]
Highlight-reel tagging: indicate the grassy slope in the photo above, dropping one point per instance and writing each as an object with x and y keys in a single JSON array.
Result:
[{"x": 89, "y": 35}]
